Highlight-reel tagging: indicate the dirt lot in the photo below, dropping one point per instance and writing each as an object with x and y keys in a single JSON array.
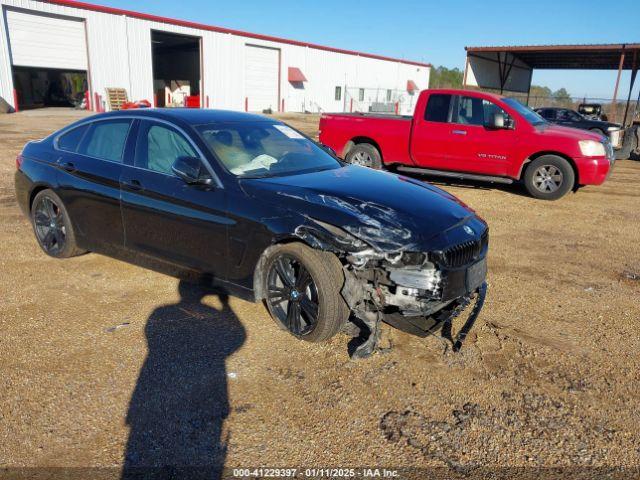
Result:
[{"x": 104, "y": 363}]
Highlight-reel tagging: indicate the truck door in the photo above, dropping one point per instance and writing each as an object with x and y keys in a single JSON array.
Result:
[
  {"x": 475, "y": 146},
  {"x": 430, "y": 138}
]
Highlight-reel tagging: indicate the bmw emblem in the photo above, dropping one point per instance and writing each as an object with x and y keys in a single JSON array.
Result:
[{"x": 468, "y": 229}]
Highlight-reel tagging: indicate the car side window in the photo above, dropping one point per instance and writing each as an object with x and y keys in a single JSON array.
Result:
[
  {"x": 470, "y": 111},
  {"x": 438, "y": 108},
  {"x": 105, "y": 140},
  {"x": 158, "y": 147},
  {"x": 574, "y": 116},
  {"x": 567, "y": 116},
  {"x": 548, "y": 114},
  {"x": 69, "y": 141},
  {"x": 490, "y": 109}
]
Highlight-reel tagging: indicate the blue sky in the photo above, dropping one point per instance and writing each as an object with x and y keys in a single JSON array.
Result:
[{"x": 435, "y": 32}]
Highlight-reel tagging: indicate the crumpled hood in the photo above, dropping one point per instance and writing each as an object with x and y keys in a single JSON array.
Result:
[{"x": 388, "y": 211}]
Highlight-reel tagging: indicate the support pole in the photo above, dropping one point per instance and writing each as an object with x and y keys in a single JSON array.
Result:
[
  {"x": 615, "y": 90},
  {"x": 634, "y": 71}
]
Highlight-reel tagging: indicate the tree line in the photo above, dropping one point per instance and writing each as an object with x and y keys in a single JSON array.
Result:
[{"x": 443, "y": 77}]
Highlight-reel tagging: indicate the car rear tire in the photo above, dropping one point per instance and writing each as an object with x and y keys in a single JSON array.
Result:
[
  {"x": 365, "y": 155},
  {"x": 549, "y": 177},
  {"x": 302, "y": 291},
  {"x": 52, "y": 226}
]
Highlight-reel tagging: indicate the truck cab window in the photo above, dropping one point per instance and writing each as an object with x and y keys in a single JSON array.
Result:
[
  {"x": 489, "y": 109},
  {"x": 438, "y": 108},
  {"x": 470, "y": 111}
]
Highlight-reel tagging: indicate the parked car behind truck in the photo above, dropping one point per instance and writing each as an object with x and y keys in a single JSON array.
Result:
[
  {"x": 571, "y": 118},
  {"x": 476, "y": 135}
]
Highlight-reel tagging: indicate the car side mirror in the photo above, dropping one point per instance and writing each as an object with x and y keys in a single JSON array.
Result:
[
  {"x": 499, "y": 122},
  {"x": 190, "y": 169}
]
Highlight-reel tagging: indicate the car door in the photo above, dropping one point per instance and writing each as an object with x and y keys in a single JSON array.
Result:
[
  {"x": 432, "y": 133},
  {"x": 90, "y": 165},
  {"x": 476, "y": 147},
  {"x": 165, "y": 217}
]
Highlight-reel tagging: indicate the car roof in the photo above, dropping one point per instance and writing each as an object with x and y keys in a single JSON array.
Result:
[{"x": 191, "y": 116}]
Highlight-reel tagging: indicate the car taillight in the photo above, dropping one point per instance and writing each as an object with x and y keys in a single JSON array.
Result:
[{"x": 19, "y": 160}]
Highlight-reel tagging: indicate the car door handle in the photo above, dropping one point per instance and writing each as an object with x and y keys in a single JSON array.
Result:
[
  {"x": 459, "y": 132},
  {"x": 132, "y": 184},
  {"x": 69, "y": 166}
]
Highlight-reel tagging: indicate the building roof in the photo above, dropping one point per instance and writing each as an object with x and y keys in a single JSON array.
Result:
[
  {"x": 212, "y": 28},
  {"x": 579, "y": 57}
]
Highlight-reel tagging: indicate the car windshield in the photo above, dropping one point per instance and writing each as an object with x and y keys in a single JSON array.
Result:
[
  {"x": 263, "y": 149},
  {"x": 529, "y": 115}
]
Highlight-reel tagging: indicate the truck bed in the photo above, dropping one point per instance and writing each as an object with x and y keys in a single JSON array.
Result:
[{"x": 390, "y": 133}]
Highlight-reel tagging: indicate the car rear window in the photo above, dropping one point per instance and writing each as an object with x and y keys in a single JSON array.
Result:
[
  {"x": 70, "y": 140},
  {"x": 438, "y": 108},
  {"x": 105, "y": 140}
]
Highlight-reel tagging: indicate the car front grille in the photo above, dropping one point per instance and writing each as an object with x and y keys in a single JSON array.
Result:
[{"x": 466, "y": 252}]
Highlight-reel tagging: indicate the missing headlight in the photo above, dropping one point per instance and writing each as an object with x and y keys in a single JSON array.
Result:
[{"x": 425, "y": 278}]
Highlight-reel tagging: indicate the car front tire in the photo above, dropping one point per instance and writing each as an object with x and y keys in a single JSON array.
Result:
[
  {"x": 302, "y": 291},
  {"x": 52, "y": 226},
  {"x": 549, "y": 177}
]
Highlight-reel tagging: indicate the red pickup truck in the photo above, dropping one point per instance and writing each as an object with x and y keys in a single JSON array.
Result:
[{"x": 475, "y": 135}]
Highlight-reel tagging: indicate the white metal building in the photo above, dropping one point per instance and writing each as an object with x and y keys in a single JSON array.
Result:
[{"x": 52, "y": 49}]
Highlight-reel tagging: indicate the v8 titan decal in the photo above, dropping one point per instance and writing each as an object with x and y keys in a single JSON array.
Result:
[{"x": 492, "y": 156}]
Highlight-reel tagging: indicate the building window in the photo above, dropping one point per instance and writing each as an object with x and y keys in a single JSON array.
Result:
[
  {"x": 361, "y": 95},
  {"x": 388, "y": 95},
  {"x": 338, "y": 93}
]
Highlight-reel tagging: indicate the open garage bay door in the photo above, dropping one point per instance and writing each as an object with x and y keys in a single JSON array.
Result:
[
  {"x": 261, "y": 78},
  {"x": 46, "y": 41}
]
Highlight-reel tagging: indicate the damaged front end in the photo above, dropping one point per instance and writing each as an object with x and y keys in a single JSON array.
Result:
[{"x": 388, "y": 279}]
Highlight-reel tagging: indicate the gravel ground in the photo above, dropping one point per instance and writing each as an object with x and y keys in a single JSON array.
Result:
[{"x": 105, "y": 364}]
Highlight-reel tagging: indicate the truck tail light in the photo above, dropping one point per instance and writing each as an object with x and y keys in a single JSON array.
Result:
[{"x": 19, "y": 160}]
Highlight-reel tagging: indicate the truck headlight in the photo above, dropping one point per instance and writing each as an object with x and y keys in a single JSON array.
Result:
[{"x": 591, "y": 148}]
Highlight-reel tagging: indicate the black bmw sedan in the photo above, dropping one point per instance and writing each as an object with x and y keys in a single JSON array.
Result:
[
  {"x": 571, "y": 118},
  {"x": 266, "y": 213}
]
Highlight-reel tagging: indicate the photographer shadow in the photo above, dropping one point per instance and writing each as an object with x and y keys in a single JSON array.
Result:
[{"x": 180, "y": 401}]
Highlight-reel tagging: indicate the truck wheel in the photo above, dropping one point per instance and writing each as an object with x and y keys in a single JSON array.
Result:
[
  {"x": 52, "y": 226},
  {"x": 302, "y": 289},
  {"x": 549, "y": 177},
  {"x": 365, "y": 155}
]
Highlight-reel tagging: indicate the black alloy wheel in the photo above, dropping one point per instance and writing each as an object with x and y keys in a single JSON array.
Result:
[
  {"x": 293, "y": 295},
  {"x": 50, "y": 226}
]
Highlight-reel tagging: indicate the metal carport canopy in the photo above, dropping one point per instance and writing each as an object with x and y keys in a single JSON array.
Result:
[{"x": 510, "y": 67}]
